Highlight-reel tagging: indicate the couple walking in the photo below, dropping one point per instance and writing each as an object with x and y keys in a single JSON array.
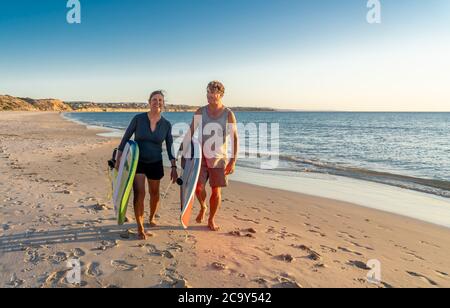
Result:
[{"x": 151, "y": 130}]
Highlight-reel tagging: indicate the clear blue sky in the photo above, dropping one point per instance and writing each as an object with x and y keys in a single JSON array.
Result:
[{"x": 315, "y": 54}]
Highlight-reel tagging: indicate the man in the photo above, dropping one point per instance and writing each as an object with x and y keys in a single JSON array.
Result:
[{"x": 218, "y": 124}]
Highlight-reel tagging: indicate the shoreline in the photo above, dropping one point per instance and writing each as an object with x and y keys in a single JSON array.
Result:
[
  {"x": 372, "y": 194},
  {"x": 56, "y": 207}
]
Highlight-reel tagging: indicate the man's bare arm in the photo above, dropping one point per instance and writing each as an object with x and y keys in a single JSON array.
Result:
[{"x": 233, "y": 123}]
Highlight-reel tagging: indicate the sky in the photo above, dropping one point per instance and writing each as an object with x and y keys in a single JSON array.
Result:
[{"x": 288, "y": 54}]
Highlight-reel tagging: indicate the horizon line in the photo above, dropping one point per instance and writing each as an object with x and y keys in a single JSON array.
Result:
[{"x": 256, "y": 107}]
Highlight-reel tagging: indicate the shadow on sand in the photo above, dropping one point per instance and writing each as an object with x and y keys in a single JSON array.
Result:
[{"x": 22, "y": 241}]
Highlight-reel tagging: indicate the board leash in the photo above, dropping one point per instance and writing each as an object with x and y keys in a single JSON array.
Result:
[
  {"x": 110, "y": 190},
  {"x": 166, "y": 192}
]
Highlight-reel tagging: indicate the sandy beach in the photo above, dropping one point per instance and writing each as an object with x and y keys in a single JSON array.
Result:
[{"x": 55, "y": 206}]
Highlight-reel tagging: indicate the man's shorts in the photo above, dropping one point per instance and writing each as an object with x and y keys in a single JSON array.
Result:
[{"x": 216, "y": 176}]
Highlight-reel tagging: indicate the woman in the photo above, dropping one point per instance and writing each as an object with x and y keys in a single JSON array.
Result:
[{"x": 150, "y": 131}]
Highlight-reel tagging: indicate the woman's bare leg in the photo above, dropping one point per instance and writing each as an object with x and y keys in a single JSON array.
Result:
[
  {"x": 154, "y": 187},
  {"x": 138, "y": 202}
]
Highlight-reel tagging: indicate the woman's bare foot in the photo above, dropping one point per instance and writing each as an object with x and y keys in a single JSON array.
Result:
[
  {"x": 142, "y": 235},
  {"x": 201, "y": 216},
  {"x": 153, "y": 223},
  {"x": 212, "y": 226},
  {"x": 128, "y": 219}
]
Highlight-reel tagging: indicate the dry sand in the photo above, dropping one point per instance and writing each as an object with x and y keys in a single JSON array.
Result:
[{"x": 54, "y": 206}]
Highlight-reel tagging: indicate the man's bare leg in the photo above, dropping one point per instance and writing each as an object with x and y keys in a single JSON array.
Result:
[
  {"x": 201, "y": 196},
  {"x": 215, "y": 202}
]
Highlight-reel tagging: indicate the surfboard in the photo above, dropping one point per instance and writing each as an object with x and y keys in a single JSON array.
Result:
[
  {"x": 123, "y": 180},
  {"x": 189, "y": 180}
]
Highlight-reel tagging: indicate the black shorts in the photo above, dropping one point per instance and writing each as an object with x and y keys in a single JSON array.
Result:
[{"x": 153, "y": 171}]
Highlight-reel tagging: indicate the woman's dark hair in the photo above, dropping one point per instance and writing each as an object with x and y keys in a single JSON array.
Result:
[{"x": 158, "y": 92}]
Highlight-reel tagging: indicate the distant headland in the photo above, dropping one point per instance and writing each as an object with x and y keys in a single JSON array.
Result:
[{"x": 11, "y": 103}]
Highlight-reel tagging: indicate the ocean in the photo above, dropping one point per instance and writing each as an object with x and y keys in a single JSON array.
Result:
[{"x": 407, "y": 150}]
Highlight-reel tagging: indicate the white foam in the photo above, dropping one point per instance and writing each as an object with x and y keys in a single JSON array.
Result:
[
  {"x": 113, "y": 133},
  {"x": 408, "y": 203},
  {"x": 108, "y": 132}
]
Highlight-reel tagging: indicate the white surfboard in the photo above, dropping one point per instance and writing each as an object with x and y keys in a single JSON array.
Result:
[{"x": 189, "y": 178}]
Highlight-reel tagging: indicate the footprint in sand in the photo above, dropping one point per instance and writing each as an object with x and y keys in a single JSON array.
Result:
[
  {"x": 312, "y": 255},
  {"x": 415, "y": 256},
  {"x": 423, "y": 278},
  {"x": 318, "y": 233},
  {"x": 342, "y": 216},
  {"x": 261, "y": 281},
  {"x": 387, "y": 285},
  {"x": 154, "y": 251},
  {"x": 181, "y": 284},
  {"x": 55, "y": 279},
  {"x": 191, "y": 239},
  {"x": 175, "y": 283},
  {"x": 288, "y": 285},
  {"x": 429, "y": 244},
  {"x": 219, "y": 266},
  {"x": 123, "y": 266},
  {"x": 256, "y": 209},
  {"x": 94, "y": 270},
  {"x": 384, "y": 228},
  {"x": 77, "y": 253},
  {"x": 33, "y": 256},
  {"x": 347, "y": 234},
  {"x": 58, "y": 257},
  {"x": 176, "y": 247},
  {"x": 285, "y": 258},
  {"x": 15, "y": 282},
  {"x": 107, "y": 245},
  {"x": 246, "y": 220},
  {"x": 327, "y": 249},
  {"x": 360, "y": 246},
  {"x": 442, "y": 274},
  {"x": 349, "y": 251},
  {"x": 271, "y": 230},
  {"x": 304, "y": 216},
  {"x": 272, "y": 220},
  {"x": 359, "y": 264},
  {"x": 166, "y": 254},
  {"x": 243, "y": 233}
]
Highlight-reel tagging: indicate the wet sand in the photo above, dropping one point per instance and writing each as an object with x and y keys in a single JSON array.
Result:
[{"x": 54, "y": 206}]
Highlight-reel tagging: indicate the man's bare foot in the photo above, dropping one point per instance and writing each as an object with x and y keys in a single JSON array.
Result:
[
  {"x": 201, "y": 216},
  {"x": 212, "y": 226},
  {"x": 153, "y": 223}
]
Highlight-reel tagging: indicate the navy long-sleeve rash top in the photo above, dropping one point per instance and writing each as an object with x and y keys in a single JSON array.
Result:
[{"x": 150, "y": 143}]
